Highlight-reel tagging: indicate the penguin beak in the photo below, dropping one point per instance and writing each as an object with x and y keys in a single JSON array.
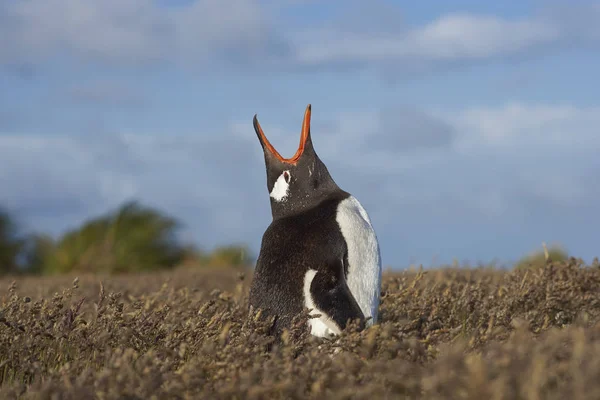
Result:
[{"x": 304, "y": 136}]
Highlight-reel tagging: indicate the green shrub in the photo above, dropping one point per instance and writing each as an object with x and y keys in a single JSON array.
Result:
[
  {"x": 11, "y": 244},
  {"x": 133, "y": 238},
  {"x": 538, "y": 259}
]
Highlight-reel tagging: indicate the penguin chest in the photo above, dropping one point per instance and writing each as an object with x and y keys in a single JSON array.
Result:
[{"x": 364, "y": 259}]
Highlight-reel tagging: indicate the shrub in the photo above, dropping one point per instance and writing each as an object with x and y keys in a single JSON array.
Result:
[
  {"x": 11, "y": 244},
  {"x": 538, "y": 259},
  {"x": 133, "y": 238}
]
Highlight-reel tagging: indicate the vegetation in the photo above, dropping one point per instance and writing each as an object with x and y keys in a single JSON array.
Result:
[
  {"x": 136, "y": 238},
  {"x": 132, "y": 238},
  {"x": 538, "y": 259},
  {"x": 187, "y": 334},
  {"x": 168, "y": 331},
  {"x": 10, "y": 243}
]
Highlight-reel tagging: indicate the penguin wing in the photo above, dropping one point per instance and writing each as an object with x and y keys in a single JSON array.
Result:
[{"x": 332, "y": 297}]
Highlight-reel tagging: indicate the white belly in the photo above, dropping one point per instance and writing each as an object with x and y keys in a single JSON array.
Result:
[{"x": 364, "y": 258}]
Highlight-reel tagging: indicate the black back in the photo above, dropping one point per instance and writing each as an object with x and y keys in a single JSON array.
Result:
[{"x": 303, "y": 235}]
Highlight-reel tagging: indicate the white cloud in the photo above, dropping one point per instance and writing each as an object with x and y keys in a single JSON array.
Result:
[
  {"x": 216, "y": 27},
  {"x": 532, "y": 127},
  {"x": 134, "y": 32},
  {"x": 543, "y": 151},
  {"x": 130, "y": 31},
  {"x": 450, "y": 38},
  {"x": 107, "y": 93},
  {"x": 454, "y": 37},
  {"x": 477, "y": 36}
]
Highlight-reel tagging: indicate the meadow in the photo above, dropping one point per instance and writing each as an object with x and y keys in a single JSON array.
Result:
[{"x": 186, "y": 333}]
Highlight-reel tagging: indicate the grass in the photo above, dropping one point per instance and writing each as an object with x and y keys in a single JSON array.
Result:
[{"x": 187, "y": 334}]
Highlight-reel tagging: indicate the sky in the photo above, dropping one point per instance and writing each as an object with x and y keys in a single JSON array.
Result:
[{"x": 469, "y": 130}]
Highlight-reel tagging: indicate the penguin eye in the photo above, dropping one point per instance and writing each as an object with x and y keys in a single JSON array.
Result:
[{"x": 286, "y": 176}]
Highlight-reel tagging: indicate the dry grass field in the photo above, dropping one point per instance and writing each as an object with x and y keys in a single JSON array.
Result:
[{"x": 187, "y": 334}]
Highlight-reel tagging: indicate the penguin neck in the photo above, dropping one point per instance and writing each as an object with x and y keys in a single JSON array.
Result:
[{"x": 304, "y": 203}]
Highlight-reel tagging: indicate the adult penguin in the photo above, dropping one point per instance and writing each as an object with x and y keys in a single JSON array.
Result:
[{"x": 320, "y": 251}]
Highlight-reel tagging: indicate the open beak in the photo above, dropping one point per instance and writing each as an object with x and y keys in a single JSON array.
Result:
[{"x": 303, "y": 138}]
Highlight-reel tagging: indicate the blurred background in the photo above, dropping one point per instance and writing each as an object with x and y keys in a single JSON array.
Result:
[{"x": 468, "y": 129}]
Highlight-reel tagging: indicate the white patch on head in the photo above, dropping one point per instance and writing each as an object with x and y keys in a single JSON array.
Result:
[
  {"x": 364, "y": 257},
  {"x": 322, "y": 326},
  {"x": 281, "y": 187}
]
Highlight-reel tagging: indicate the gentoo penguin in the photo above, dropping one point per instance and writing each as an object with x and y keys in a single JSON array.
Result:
[{"x": 320, "y": 251}]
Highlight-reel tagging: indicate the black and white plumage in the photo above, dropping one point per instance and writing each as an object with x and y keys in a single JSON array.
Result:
[{"x": 320, "y": 251}]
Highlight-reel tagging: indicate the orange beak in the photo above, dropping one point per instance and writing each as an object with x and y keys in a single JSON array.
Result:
[{"x": 303, "y": 138}]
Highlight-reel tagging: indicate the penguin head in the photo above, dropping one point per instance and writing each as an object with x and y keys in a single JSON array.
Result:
[{"x": 297, "y": 183}]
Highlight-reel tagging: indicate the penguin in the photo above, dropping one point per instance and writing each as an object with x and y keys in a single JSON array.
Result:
[{"x": 320, "y": 252}]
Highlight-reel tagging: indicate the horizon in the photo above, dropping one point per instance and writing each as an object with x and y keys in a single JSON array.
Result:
[{"x": 467, "y": 130}]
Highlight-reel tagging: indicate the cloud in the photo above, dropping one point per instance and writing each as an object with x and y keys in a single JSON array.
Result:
[
  {"x": 452, "y": 38},
  {"x": 18, "y": 69},
  {"x": 8, "y": 120},
  {"x": 578, "y": 23},
  {"x": 378, "y": 17},
  {"x": 107, "y": 93},
  {"x": 389, "y": 139},
  {"x": 551, "y": 148},
  {"x": 125, "y": 30},
  {"x": 405, "y": 129},
  {"x": 233, "y": 30},
  {"x": 488, "y": 156},
  {"x": 466, "y": 184},
  {"x": 255, "y": 34},
  {"x": 133, "y": 32}
]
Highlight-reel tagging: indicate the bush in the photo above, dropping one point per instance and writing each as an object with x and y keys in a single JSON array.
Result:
[
  {"x": 133, "y": 238},
  {"x": 11, "y": 244},
  {"x": 538, "y": 259}
]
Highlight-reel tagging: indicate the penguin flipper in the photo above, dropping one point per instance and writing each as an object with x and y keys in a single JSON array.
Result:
[{"x": 331, "y": 296}]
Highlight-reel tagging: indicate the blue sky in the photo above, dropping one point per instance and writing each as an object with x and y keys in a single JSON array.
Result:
[{"x": 468, "y": 129}]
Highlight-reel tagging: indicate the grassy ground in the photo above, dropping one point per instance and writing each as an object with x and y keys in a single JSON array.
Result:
[{"x": 187, "y": 334}]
